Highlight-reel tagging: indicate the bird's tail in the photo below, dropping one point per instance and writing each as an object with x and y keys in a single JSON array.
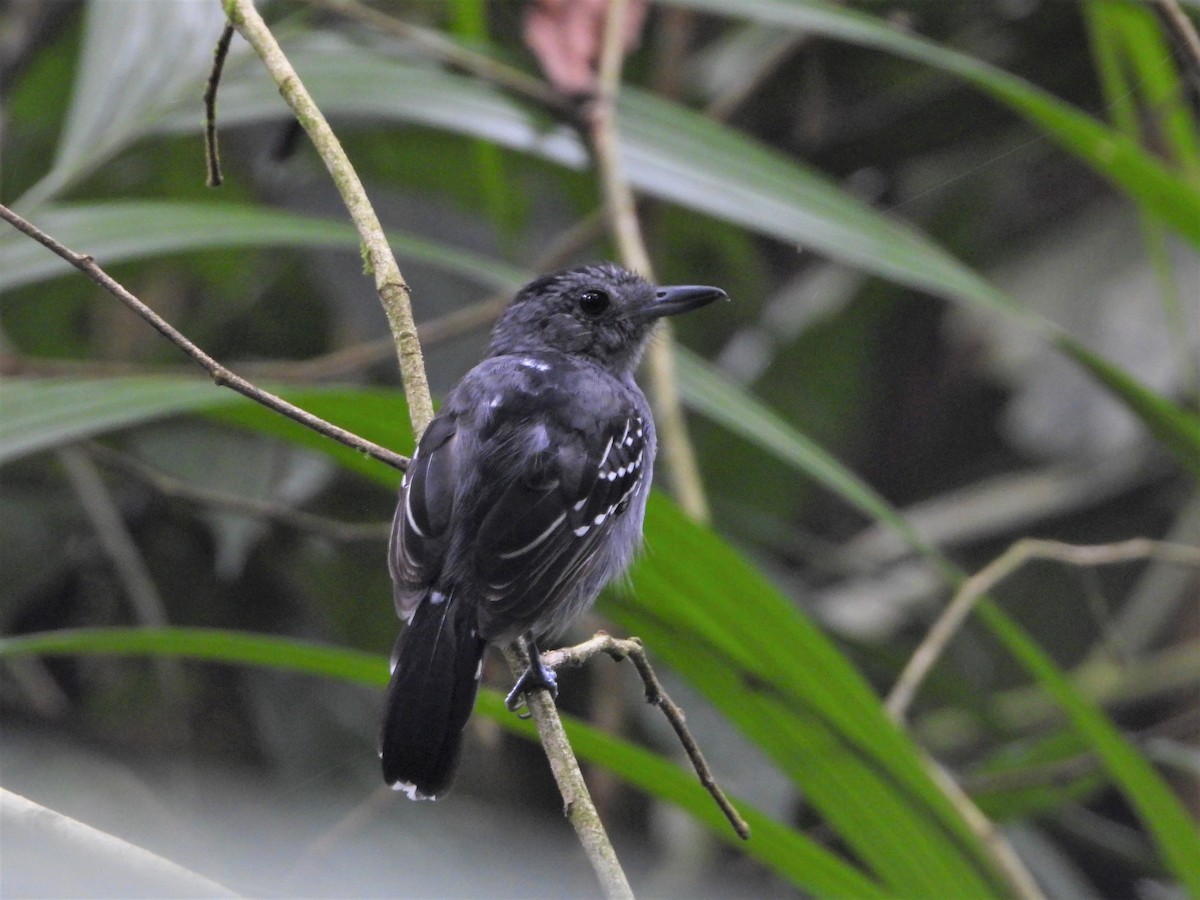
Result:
[{"x": 430, "y": 698}]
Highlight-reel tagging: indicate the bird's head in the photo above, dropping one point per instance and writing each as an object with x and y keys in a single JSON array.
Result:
[{"x": 601, "y": 312}]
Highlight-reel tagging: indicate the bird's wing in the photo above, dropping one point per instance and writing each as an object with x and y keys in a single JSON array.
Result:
[
  {"x": 421, "y": 527},
  {"x": 543, "y": 532}
]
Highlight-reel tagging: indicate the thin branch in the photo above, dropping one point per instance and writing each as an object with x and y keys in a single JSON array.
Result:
[
  {"x": 983, "y": 581},
  {"x": 219, "y": 373},
  {"x": 677, "y": 448},
  {"x": 1001, "y": 851},
  {"x": 389, "y": 283},
  {"x": 298, "y": 519},
  {"x": 212, "y": 155},
  {"x": 633, "y": 650},
  {"x": 1182, "y": 28},
  {"x": 577, "y": 801}
]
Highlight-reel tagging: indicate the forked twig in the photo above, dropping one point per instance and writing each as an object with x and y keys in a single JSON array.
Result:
[
  {"x": 220, "y": 374},
  {"x": 633, "y": 650},
  {"x": 1016, "y": 556}
]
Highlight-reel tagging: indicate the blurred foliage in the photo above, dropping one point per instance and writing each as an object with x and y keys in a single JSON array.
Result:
[{"x": 961, "y": 239}]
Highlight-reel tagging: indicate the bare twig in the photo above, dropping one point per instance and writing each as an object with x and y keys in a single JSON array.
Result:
[
  {"x": 1001, "y": 851},
  {"x": 249, "y": 506},
  {"x": 1181, "y": 27},
  {"x": 678, "y": 452},
  {"x": 212, "y": 155},
  {"x": 219, "y": 374},
  {"x": 633, "y": 650},
  {"x": 389, "y": 283},
  {"x": 975, "y": 587},
  {"x": 577, "y": 801}
]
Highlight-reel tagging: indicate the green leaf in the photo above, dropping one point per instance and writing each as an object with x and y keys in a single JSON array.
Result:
[
  {"x": 1160, "y": 810},
  {"x": 707, "y": 391},
  {"x": 711, "y": 616},
  {"x": 137, "y": 60},
  {"x": 670, "y": 152},
  {"x": 41, "y": 414},
  {"x": 45, "y": 413},
  {"x": 1173, "y": 199},
  {"x": 128, "y": 230},
  {"x": 1178, "y": 429},
  {"x": 787, "y": 852}
]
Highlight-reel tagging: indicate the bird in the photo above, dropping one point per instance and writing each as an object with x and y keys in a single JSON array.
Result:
[{"x": 524, "y": 498}]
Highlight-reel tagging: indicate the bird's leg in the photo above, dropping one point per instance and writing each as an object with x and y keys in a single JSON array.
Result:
[{"x": 537, "y": 675}]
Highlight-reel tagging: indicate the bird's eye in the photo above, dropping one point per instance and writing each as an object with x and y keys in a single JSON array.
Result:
[{"x": 593, "y": 303}]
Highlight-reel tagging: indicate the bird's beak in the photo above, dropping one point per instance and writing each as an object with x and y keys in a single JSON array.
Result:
[{"x": 671, "y": 301}]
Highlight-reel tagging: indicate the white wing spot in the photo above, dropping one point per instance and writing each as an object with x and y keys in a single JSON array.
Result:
[
  {"x": 599, "y": 520},
  {"x": 437, "y": 598},
  {"x": 582, "y": 530},
  {"x": 580, "y": 505},
  {"x": 530, "y": 363}
]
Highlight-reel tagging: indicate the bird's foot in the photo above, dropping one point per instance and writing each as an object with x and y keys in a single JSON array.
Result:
[{"x": 537, "y": 675}]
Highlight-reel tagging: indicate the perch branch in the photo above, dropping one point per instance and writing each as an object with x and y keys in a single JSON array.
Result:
[
  {"x": 577, "y": 801},
  {"x": 394, "y": 295},
  {"x": 983, "y": 581},
  {"x": 219, "y": 374},
  {"x": 633, "y": 650},
  {"x": 601, "y": 128},
  {"x": 389, "y": 283}
]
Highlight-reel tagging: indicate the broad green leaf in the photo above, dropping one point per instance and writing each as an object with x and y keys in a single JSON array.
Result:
[
  {"x": 40, "y": 414},
  {"x": 670, "y": 152},
  {"x": 1173, "y": 199},
  {"x": 786, "y": 851},
  {"x": 120, "y": 231},
  {"x": 138, "y": 59},
  {"x": 711, "y": 616},
  {"x": 44, "y": 413}
]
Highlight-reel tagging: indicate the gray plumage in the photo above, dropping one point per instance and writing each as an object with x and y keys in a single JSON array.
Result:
[{"x": 525, "y": 497}]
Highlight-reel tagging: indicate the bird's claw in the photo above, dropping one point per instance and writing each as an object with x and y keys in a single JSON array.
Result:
[{"x": 536, "y": 676}]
